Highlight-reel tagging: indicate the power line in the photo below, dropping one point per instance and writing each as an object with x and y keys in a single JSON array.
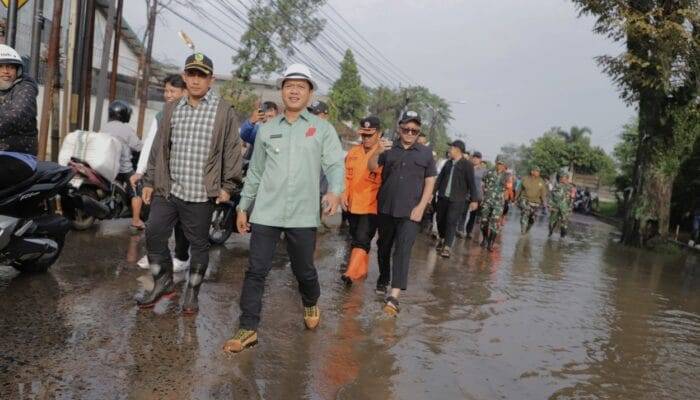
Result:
[{"x": 211, "y": 35}]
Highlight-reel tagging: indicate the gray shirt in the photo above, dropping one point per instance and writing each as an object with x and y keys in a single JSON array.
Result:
[
  {"x": 130, "y": 142},
  {"x": 479, "y": 173}
]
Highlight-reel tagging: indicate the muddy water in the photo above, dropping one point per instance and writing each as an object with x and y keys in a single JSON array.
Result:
[{"x": 579, "y": 318}]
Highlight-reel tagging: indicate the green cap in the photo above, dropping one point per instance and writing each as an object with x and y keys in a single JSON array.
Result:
[
  {"x": 501, "y": 159},
  {"x": 535, "y": 168}
]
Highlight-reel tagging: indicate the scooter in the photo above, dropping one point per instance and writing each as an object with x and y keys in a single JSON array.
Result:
[
  {"x": 32, "y": 234},
  {"x": 113, "y": 195}
]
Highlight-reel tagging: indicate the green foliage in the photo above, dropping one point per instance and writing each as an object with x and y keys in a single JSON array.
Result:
[
  {"x": 516, "y": 157},
  {"x": 625, "y": 154},
  {"x": 348, "y": 97},
  {"x": 241, "y": 94},
  {"x": 279, "y": 22}
]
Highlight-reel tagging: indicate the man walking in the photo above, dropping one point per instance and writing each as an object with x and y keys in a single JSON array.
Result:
[
  {"x": 196, "y": 158},
  {"x": 494, "y": 184},
  {"x": 531, "y": 197},
  {"x": 560, "y": 205},
  {"x": 455, "y": 185},
  {"x": 283, "y": 181},
  {"x": 360, "y": 198},
  {"x": 470, "y": 217},
  {"x": 408, "y": 179}
]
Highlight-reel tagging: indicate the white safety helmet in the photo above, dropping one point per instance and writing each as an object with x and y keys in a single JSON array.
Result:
[{"x": 8, "y": 55}]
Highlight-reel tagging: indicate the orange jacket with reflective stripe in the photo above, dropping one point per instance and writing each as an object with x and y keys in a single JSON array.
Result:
[{"x": 361, "y": 185}]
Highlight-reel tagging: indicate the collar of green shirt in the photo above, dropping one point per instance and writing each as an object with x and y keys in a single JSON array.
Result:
[{"x": 304, "y": 114}]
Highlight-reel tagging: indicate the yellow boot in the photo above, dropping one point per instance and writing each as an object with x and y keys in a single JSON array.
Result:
[{"x": 358, "y": 265}]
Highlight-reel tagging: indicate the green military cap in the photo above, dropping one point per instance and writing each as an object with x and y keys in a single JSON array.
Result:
[
  {"x": 535, "y": 168},
  {"x": 564, "y": 173},
  {"x": 501, "y": 159}
]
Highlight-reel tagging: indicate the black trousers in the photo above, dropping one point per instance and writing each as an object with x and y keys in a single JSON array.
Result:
[
  {"x": 182, "y": 245},
  {"x": 363, "y": 227},
  {"x": 448, "y": 215},
  {"x": 398, "y": 234},
  {"x": 263, "y": 242},
  {"x": 473, "y": 217},
  {"x": 194, "y": 219}
]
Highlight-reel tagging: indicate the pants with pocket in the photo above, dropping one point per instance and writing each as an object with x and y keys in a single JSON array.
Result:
[{"x": 397, "y": 235}]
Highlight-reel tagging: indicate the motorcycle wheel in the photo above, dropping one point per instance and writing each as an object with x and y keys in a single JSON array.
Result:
[
  {"x": 41, "y": 266},
  {"x": 221, "y": 227},
  {"x": 81, "y": 221}
]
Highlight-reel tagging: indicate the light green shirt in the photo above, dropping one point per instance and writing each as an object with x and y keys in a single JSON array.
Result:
[{"x": 283, "y": 176}]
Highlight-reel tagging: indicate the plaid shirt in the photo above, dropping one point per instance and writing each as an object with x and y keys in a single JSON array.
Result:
[{"x": 192, "y": 129}]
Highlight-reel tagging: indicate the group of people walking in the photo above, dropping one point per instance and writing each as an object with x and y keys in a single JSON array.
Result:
[{"x": 193, "y": 157}]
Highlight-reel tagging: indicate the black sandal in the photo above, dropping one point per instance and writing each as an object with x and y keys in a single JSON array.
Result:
[{"x": 392, "y": 306}]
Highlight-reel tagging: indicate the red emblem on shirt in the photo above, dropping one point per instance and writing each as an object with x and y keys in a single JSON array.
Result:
[{"x": 310, "y": 132}]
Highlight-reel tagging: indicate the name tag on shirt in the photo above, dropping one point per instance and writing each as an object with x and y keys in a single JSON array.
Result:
[{"x": 277, "y": 136}]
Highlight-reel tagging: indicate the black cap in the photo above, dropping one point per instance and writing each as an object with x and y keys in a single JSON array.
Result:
[
  {"x": 410, "y": 116},
  {"x": 318, "y": 107},
  {"x": 370, "y": 122},
  {"x": 460, "y": 145},
  {"x": 200, "y": 62},
  {"x": 477, "y": 154}
]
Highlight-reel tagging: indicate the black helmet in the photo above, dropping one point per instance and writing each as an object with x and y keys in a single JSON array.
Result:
[{"x": 119, "y": 111}]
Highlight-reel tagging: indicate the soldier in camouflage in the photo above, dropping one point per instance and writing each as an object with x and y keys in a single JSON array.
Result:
[
  {"x": 494, "y": 184},
  {"x": 560, "y": 204},
  {"x": 531, "y": 197}
]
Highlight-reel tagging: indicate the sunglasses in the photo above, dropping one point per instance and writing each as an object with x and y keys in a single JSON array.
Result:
[
  {"x": 410, "y": 131},
  {"x": 367, "y": 136}
]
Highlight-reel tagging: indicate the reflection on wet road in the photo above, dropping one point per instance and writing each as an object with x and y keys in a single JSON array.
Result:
[{"x": 540, "y": 318}]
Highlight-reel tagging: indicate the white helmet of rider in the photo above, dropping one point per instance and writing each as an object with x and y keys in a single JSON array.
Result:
[{"x": 8, "y": 55}]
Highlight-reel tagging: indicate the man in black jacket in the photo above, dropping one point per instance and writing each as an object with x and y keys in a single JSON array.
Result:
[{"x": 455, "y": 185}]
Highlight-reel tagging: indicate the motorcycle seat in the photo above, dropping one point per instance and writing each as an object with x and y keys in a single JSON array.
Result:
[{"x": 46, "y": 172}]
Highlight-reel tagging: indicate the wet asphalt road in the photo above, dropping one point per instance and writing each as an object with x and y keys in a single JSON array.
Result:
[{"x": 581, "y": 318}]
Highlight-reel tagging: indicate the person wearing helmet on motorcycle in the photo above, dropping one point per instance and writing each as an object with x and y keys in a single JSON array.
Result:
[
  {"x": 119, "y": 115},
  {"x": 18, "y": 110}
]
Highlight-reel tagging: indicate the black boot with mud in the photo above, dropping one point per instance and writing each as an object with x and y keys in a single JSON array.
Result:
[
  {"x": 563, "y": 232},
  {"x": 484, "y": 237},
  {"x": 491, "y": 241},
  {"x": 190, "y": 305},
  {"x": 162, "y": 284}
]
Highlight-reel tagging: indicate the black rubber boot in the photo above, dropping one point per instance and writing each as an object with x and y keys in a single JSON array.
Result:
[
  {"x": 190, "y": 304},
  {"x": 563, "y": 232},
  {"x": 551, "y": 230},
  {"x": 492, "y": 239},
  {"x": 530, "y": 222},
  {"x": 162, "y": 284},
  {"x": 484, "y": 236}
]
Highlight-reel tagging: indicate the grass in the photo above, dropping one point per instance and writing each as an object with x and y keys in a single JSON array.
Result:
[{"x": 607, "y": 209}]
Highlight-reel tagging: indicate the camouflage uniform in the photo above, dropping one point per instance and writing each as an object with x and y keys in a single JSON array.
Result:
[
  {"x": 560, "y": 204},
  {"x": 492, "y": 206}
]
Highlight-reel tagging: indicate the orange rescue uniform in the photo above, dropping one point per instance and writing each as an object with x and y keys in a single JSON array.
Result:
[{"x": 361, "y": 185}]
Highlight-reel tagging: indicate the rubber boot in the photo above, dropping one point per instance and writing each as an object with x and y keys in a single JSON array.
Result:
[
  {"x": 357, "y": 266},
  {"x": 190, "y": 304},
  {"x": 484, "y": 236},
  {"x": 491, "y": 241},
  {"x": 551, "y": 230},
  {"x": 162, "y": 284},
  {"x": 563, "y": 232},
  {"x": 530, "y": 222}
]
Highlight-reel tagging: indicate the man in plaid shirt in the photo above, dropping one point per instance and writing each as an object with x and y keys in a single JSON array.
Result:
[{"x": 195, "y": 161}]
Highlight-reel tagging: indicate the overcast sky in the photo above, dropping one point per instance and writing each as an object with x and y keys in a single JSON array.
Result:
[{"x": 520, "y": 66}]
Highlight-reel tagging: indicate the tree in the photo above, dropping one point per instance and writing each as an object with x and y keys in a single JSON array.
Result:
[
  {"x": 275, "y": 22},
  {"x": 348, "y": 97},
  {"x": 578, "y": 145},
  {"x": 515, "y": 156},
  {"x": 659, "y": 72}
]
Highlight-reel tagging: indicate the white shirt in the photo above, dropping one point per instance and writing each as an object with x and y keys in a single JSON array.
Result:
[{"x": 146, "y": 150}]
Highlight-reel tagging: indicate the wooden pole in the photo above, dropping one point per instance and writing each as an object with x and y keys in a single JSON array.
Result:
[
  {"x": 115, "y": 55},
  {"x": 102, "y": 78},
  {"x": 68, "y": 78},
  {"x": 51, "y": 66},
  {"x": 89, "y": 45},
  {"x": 147, "y": 67}
]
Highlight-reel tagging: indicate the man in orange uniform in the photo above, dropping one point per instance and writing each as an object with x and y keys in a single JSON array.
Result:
[{"x": 360, "y": 198}]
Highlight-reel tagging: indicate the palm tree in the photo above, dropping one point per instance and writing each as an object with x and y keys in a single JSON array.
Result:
[{"x": 575, "y": 136}]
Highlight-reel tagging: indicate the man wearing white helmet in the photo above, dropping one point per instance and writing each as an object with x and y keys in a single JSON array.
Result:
[
  {"x": 18, "y": 94},
  {"x": 283, "y": 180}
]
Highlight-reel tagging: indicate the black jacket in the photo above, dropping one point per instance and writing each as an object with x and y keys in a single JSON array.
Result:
[
  {"x": 18, "y": 117},
  {"x": 463, "y": 184}
]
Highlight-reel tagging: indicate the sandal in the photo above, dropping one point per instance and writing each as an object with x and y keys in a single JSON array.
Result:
[{"x": 391, "y": 307}]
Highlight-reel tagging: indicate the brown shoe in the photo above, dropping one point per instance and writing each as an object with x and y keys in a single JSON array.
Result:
[
  {"x": 312, "y": 316},
  {"x": 446, "y": 252},
  {"x": 391, "y": 307},
  {"x": 242, "y": 340}
]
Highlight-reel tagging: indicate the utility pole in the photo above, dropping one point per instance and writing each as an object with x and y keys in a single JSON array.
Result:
[
  {"x": 76, "y": 107},
  {"x": 147, "y": 67},
  {"x": 102, "y": 78},
  {"x": 37, "y": 28},
  {"x": 11, "y": 35},
  {"x": 87, "y": 65},
  {"x": 68, "y": 81},
  {"x": 115, "y": 55},
  {"x": 51, "y": 67}
]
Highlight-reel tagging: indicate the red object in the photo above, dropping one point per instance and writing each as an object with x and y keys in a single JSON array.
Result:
[{"x": 310, "y": 132}]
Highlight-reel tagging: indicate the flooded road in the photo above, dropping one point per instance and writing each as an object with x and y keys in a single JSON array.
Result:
[{"x": 582, "y": 318}]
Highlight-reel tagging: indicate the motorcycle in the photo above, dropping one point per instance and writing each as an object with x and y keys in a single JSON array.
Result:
[
  {"x": 583, "y": 202},
  {"x": 32, "y": 234},
  {"x": 223, "y": 220},
  {"x": 113, "y": 195}
]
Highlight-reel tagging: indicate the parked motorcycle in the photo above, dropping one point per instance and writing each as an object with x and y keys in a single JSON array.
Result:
[
  {"x": 583, "y": 202},
  {"x": 223, "y": 220},
  {"x": 113, "y": 195},
  {"x": 32, "y": 234}
]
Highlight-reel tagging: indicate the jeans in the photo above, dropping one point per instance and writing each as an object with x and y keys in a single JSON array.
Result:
[
  {"x": 263, "y": 242},
  {"x": 448, "y": 215},
  {"x": 398, "y": 234},
  {"x": 194, "y": 219},
  {"x": 362, "y": 230}
]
